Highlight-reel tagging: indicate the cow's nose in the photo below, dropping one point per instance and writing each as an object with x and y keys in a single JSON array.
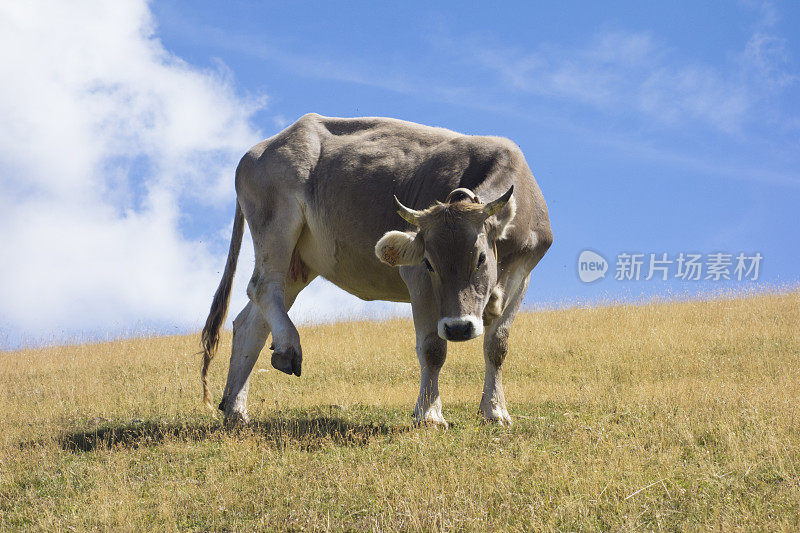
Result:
[
  {"x": 458, "y": 332},
  {"x": 461, "y": 328}
]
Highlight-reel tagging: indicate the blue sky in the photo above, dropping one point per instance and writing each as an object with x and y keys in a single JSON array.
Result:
[
  {"x": 662, "y": 128},
  {"x": 709, "y": 164}
]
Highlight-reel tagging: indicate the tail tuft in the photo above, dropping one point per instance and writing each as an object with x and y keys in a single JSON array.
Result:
[{"x": 209, "y": 339}]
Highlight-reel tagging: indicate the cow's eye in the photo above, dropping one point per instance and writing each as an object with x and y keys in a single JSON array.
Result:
[
  {"x": 427, "y": 264},
  {"x": 481, "y": 259}
]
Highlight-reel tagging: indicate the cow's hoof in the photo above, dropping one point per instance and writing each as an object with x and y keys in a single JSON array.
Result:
[
  {"x": 497, "y": 417},
  {"x": 288, "y": 361},
  {"x": 236, "y": 419},
  {"x": 500, "y": 421},
  {"x": 432, "y": 423},
  {"x": 431, "y": 419}
]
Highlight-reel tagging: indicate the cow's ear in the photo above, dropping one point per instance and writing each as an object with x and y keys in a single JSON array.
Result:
[
  {"x": 498, "y": 225},
  {"x": 400, "y": 248}
]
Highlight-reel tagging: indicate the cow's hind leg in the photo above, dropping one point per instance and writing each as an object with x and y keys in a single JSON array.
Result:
[
  {"x": 275, "y": 234},
  {"x": 495, "y": 347},
  {"x": 250, "y": 332}
]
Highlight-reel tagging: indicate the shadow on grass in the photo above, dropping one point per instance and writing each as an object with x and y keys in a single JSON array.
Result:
[{"x": 304, "y": 432}]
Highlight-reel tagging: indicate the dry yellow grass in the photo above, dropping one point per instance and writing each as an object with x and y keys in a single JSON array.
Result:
[{"x": 678, "y": 415}]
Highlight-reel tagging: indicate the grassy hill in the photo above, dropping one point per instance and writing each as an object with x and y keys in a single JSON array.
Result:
[{"x": 678, "y": 415}]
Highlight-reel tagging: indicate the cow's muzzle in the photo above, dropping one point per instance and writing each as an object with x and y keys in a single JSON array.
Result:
[{"x": 462, "y": 328}]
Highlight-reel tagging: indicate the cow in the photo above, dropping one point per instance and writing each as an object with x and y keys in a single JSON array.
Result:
[{"x": 387, "y": 210}]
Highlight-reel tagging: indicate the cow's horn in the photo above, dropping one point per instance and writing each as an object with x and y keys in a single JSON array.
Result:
[
  {"x": 460, "y": 194},
  {"x": 495, "y": 206},
  {"x": 411, "y": 216}
]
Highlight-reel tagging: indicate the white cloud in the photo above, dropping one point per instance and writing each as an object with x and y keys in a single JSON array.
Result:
[
  {"x": 618, "y": 72},
  {"x": 106, "y": 137},
  {"x": 766, "y": 59}
]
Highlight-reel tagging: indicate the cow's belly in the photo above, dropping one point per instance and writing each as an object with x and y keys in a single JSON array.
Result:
[
  {"x": 370, "y": 288},
  {"x": 353, "y": 268}
]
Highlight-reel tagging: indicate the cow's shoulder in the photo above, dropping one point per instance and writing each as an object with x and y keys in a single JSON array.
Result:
[
  {"x": 500, "y": 163},
  {"x": 499, "y": 149}
]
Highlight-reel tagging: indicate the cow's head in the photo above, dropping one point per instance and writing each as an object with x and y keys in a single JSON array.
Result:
[{"x": 455, "y": 241}]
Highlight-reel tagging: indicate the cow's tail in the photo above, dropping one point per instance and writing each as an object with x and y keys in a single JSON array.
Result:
[{"x": 219, "y": 306}]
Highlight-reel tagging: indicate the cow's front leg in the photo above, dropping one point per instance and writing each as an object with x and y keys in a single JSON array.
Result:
[
  {"x": 431, "y": 352},
  {"x": 431, "y": 349},
  {"x": 493, "y": 400},
  {"x": 495, "y": 347}
]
